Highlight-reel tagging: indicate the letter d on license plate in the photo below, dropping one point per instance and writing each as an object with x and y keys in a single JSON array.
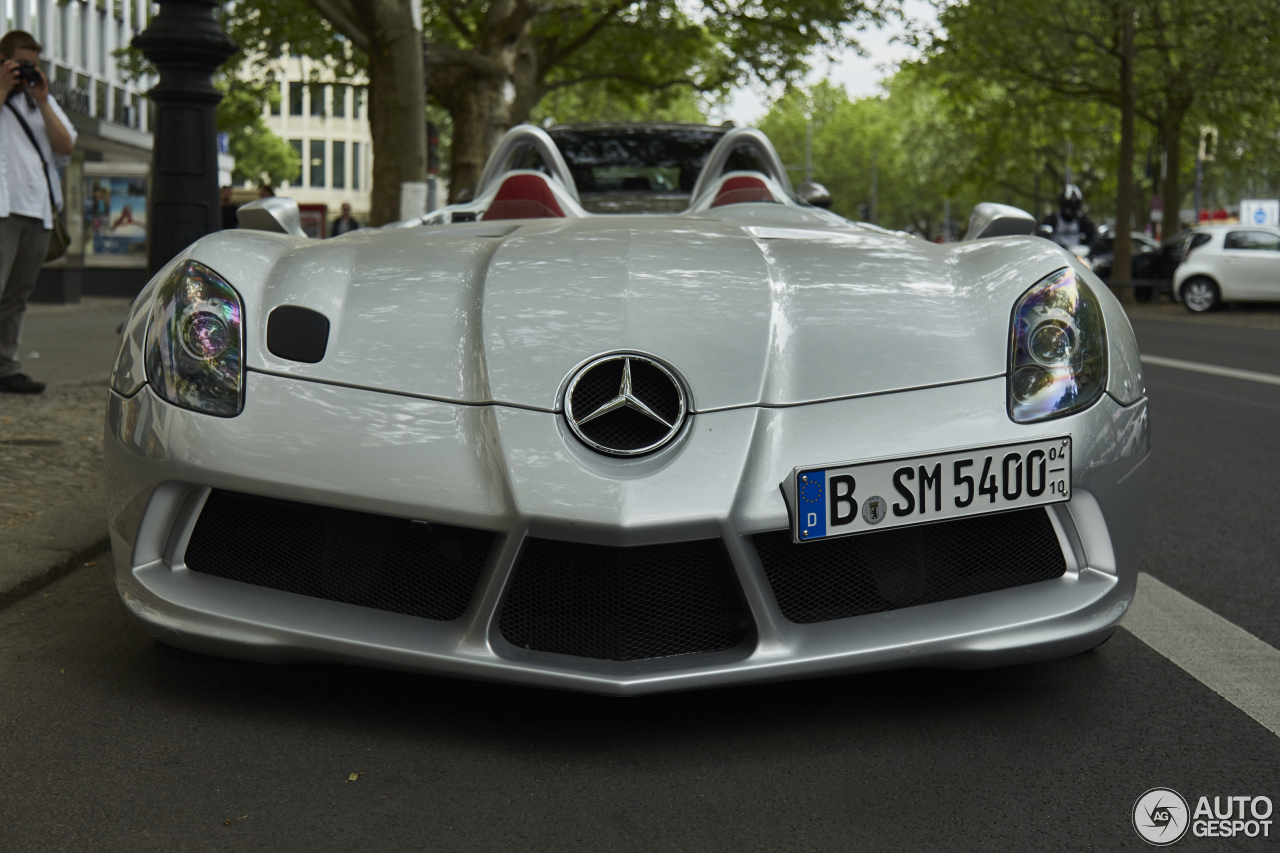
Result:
[{"x": 849, "y": 498}]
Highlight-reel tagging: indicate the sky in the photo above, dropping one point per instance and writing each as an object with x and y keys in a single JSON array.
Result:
[{"x": 861, "y": 76}]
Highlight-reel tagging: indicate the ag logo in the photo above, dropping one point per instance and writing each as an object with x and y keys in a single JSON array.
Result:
[
  {"x": 874, "y": 510},
  {"x": 1160, "y": 816}
]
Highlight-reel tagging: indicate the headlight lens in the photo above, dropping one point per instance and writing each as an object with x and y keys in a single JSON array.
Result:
[
  {"x": 1058, "y": 361},
  {"x": 195, "y": 342}
]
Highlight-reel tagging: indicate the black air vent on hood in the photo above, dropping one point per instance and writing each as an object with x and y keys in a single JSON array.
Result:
[{"x": 297, "y": 333}]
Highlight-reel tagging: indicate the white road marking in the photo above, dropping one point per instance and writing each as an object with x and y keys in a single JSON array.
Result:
[
  {"x": 1212, "y": 369},
  {"x": 1225, "y": 658}
]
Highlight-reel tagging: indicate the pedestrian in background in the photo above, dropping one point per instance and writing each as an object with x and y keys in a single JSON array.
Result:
[
  {"x": 344, "y": 223},
  {"x": 229, "y": 219},
  {"x": 35, "y": 134}
]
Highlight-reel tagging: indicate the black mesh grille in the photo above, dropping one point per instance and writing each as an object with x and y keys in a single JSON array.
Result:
[
  {"x": 625, "y": 428},
  {"x": 873, "y": 572},
  {"x": 623, "y": 603},
  {"x": 427, "y": 570},
  {"x": 597, "y": 387}
]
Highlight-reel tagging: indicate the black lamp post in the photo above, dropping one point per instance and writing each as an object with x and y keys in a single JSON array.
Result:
[{"x": 186, "y": 44}]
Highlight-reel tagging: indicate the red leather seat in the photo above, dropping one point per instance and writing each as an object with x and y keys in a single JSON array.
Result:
[
  {"x": 743, "y": 188},
  {"x": 524, "y": 197}
]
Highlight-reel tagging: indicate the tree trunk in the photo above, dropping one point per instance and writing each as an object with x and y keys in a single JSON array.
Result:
[
  {"x": 397, "y": 107},
  {"x": 1171, "y": 142},
  {"x": 488, "y": 96},
  {"x": 480, "y": 116},
  {"x": 1121, "y": 266}
]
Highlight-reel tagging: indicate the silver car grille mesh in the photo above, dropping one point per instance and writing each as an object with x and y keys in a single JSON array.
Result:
[
  {"x": 623, "y": 604},
  {"x": 890, "y": 569},
  {"x": 392, "y": 564}
]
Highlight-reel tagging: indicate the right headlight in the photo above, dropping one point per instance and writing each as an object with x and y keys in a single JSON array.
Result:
[
  {"x": 1058, "y": 351},
  {"x": 195, "y": 342}
]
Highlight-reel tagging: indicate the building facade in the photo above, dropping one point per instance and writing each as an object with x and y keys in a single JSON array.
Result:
[{"x": 327, "y": 123}]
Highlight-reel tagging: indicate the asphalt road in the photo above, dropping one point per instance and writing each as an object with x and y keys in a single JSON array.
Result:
[{"x": 111, "y": 741}]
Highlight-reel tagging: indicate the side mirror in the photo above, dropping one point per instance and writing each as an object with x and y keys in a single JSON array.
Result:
[
  {"x": 999, "y": 220},
  {"x": 814, "y": 194},
  {"x": 271, "y": 214}
]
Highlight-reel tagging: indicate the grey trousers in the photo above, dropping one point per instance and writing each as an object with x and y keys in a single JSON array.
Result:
[{"x": 23, "y": 242}]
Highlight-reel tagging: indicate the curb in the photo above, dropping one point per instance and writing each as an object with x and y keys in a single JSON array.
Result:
[{"x": 34, "y": 581}]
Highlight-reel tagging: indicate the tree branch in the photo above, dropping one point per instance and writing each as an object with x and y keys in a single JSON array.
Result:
[
  {"x": 449, "y": 56},
  {"x": 451, "y": 12},
  {"x": 554, "y": 59},
  {"x": 342, "y": 14}
]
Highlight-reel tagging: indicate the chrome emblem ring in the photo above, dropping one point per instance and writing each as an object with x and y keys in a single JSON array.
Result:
[{"x": 625, "y": 405}]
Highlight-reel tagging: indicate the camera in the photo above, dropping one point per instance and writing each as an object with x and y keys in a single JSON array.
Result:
[{"x": 28, "y": 73}]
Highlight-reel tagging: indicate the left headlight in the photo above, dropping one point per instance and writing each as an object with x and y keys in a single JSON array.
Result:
[
  {"x": 195, "y": 342},
  {"x": 1058, "y": 352}
]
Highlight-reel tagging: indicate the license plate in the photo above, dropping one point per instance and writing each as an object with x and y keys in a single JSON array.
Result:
[{"x": 840, "y": 500}]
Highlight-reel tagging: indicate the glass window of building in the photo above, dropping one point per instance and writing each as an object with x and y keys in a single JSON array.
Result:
[
  {"x": 135, "y": 101},
  {"x": 317, "y": 163},
  {"x": 355, "y": 165},
  {"x": 82, "y": 41},
  {"x": 297, "y": 149},
  {"x": 295, "y": 99},
  {"x": 70, "y": 32},
  {"x": 357, "y": 101},
  {"x": 118, "y": 105},
  {"x": 339, "y": 100},
  {"x": 339, "y": 165},
  {"x": 103, "y": 55},
  {"x": 54, "y": 44},
  {"x": 101, "y": 99},
  {"x": 275, "y": 105},
  {"x": 317, "y": 100}
]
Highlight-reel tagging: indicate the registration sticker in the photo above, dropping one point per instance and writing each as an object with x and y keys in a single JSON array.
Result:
[{"x": 841, "y": 500}]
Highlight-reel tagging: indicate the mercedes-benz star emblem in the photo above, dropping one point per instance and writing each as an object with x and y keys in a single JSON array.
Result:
[{"x": 625, "y": 405}]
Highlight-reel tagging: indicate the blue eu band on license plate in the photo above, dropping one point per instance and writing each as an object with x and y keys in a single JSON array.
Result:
[{"x": 840, "y": 500}]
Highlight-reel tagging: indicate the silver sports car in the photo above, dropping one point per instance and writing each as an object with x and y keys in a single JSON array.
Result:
[{"x": 628, "y": 453}]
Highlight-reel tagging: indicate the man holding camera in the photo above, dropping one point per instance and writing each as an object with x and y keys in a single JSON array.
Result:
[{"x": 35, "y": 137}]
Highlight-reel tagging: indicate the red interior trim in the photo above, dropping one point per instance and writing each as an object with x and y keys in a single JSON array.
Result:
[{"x": 524, "y": 197}]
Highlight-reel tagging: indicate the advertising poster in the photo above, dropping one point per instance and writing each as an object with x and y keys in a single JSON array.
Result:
[{"x": 115, "y": 215}]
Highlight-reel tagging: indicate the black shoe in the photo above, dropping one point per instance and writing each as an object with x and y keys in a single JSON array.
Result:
[{"x": 20, "y": 383}]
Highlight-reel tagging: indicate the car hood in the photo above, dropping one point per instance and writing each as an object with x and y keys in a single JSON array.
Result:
[{"x": 747, "y": 310}]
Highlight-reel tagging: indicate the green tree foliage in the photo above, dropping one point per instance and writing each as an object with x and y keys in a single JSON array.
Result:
[
  {"x": 261, "y": 156},
  {"x": 1148, "y": 70},
  {"x": 490, "y": 64},
  {"x": 929, "y": 147}
]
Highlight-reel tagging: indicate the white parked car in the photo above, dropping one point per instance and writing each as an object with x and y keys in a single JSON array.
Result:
[{"x": 1227, "y": 263}]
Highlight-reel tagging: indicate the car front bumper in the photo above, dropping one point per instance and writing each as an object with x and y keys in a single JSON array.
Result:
[{"x": 520, "y": 474}]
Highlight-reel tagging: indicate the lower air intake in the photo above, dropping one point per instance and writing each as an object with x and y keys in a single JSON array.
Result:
[
  {"x": 392, "y": 564},
  {"x": 889, "y": 569},
  {"x": 620, "y": 604}
]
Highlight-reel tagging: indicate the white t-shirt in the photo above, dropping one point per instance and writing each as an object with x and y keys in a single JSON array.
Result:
[{"x": 22, "y": 186}]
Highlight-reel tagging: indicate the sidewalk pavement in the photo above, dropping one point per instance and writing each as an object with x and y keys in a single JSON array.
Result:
[{"x": 52, "y": 506}]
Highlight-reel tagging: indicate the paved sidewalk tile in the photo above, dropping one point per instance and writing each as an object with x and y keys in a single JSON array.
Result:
[{"x": 52, "y": 504}]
